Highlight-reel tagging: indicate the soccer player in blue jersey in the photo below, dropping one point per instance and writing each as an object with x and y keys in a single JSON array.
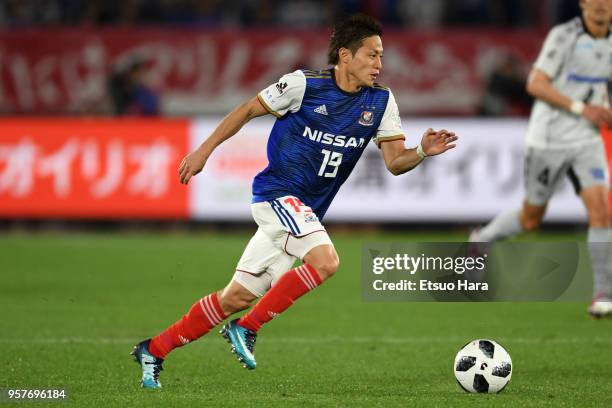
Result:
[{"x": 324, "y": 121}]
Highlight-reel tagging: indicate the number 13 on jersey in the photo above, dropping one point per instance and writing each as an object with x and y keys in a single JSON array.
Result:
[{"x": 332, "y": 160}]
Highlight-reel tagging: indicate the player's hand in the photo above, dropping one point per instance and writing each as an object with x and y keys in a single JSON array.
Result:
[
  {"x": 191, "y": 165},
  {"x": 597, "y": 115},
  {"x": 435, "y": 143}
]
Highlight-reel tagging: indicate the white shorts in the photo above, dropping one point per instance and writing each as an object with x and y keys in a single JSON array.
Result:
[
  {"x": 288, "y": 230},
  {"x": 586, "y": 166}
]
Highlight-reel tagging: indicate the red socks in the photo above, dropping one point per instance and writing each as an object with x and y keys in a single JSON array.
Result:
[
  {"x": 207, "y": 313},
  {"x": 291, "y": 286},
  {"x": 201, "y": 318}
]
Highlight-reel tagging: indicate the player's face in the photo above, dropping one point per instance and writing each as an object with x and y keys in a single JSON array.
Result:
[
  {"x": 366, "y": 64},
  {"x": 599, "y": 11}
]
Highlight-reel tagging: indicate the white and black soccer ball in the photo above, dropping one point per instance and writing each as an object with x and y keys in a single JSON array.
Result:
[{"x": 483, "y": 366}]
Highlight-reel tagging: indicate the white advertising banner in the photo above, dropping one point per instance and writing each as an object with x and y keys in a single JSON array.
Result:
[{"x": 480, "y": 177}]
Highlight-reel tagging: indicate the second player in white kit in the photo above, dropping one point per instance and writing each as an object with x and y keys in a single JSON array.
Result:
[{"x": 570, "y": 83}]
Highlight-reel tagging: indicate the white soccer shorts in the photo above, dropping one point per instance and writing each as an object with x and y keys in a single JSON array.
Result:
[
  {"x": 288, "y": 230},
  {"x": 545, "y": 169}
]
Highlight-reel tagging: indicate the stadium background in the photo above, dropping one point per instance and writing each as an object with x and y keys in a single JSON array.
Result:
[{"x": 101, "y": 246}]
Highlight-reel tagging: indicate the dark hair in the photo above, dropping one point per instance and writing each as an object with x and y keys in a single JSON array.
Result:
[{"x": 349, "y": 33}]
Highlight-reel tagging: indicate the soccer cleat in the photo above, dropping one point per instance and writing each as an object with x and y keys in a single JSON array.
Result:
[
  {"x": 151, "y": 365},
  {"x": 242, "y": 341},
  {"x": 601, "y": 307}
]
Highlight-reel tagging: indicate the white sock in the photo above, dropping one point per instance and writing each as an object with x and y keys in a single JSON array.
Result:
[
  {"x": 505, "y": 225},
  {"x": 600, "y": 248}
]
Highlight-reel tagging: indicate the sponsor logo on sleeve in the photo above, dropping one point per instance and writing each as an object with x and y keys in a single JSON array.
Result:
[{"x": 280, "y": 87}]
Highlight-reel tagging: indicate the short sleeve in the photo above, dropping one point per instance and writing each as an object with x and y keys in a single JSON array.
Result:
[
  {"x": 391, "y": 124},
  {"x": 284, "y": 96},
  {"x": 551, "y": 55}
]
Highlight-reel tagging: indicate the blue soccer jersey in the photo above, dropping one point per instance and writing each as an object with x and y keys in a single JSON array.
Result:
[{"x": 319, "y": 135}]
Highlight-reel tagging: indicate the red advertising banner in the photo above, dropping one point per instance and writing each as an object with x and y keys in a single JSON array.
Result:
[
  {"x": 92, "y": 168},
  {"x": 196, "y": 72}
]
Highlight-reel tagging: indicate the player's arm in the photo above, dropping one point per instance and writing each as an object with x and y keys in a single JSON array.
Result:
[
  {"x": 390, "y": 139},
  {"x": 194, "y": 162},
  {"x": 277, "y": 99},
  {"x": 539, "y": 86},
  {"x": 400, "y": 160},
  {"x": 549, "y": 65}
]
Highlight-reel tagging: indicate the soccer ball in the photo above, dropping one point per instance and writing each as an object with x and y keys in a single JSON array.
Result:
[{"x": 483, "y": 366}]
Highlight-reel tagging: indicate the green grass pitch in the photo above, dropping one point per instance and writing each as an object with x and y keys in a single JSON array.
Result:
[{"x": 73, "y": 305}]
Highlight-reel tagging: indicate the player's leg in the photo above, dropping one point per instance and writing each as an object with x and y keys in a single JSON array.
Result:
[
  {"x": 590, "y": 178},
  {"x": 210, "y": 310},
  {"x": 531, "y": 216},
  {"x": 288, "y": 288},
  {"x": 304, "y": 237},
  {"x": 247, "y": 284},
  {"x": 599, "y": 242},
  {"x": 260, "y": 264},
  {"x": 320, "y": 261},
  {"x": 505, "y": 225},
  {"x": 324, "y": 259},
  {"x": 203, "y": 315},
  {"x": 543, "y": 170},
  {"x": 235, "y": 298}
]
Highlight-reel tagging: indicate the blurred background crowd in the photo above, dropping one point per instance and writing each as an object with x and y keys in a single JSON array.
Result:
[
  {"x": 69, "y": 67},
  {"x": 284, "y": 13},
  {"x": 196, "y": 57}
]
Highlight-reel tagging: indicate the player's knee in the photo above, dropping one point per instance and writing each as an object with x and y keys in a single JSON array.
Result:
[
  {"x": 599, "y": 215},
  {"x": 531, "y": 223},
  {"x": 232, "y": 302},
  {"x": 328, "y": 267}
]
